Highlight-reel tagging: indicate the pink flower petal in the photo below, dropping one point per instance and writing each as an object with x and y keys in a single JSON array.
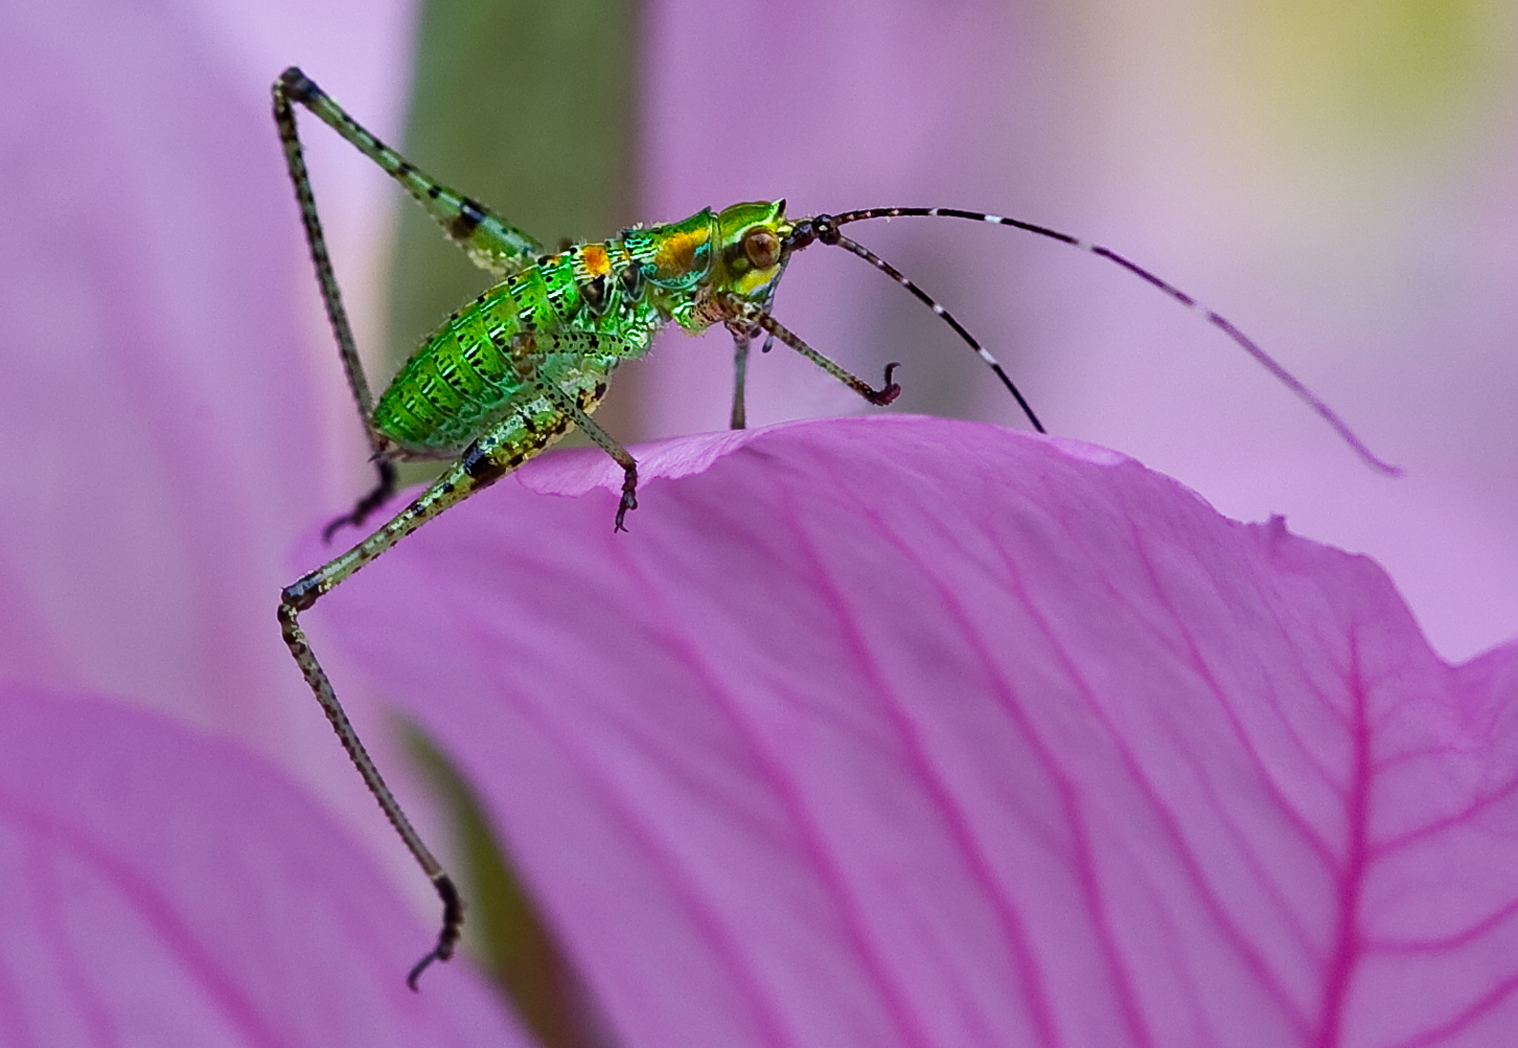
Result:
[
  {"x": 169, "y": 389},
  {"x": 174, "y": 421},
  {"x": 164, "y": 888},
  {"x": 904, "y": 731}
]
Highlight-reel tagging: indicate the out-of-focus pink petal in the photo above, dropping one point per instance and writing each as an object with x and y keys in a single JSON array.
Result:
[
  {"x": 151, "y": 351},
  {"x": 579, "y": 470},
  {"x": 164, "y": 888},
  {"x": 171, "y": 401},
  {"x": 899, "y": 731}
]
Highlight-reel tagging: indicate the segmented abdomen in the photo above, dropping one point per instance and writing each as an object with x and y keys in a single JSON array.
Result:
[
  {"x": 470, "y": 374},
  {"x": 458, "y": 382}
]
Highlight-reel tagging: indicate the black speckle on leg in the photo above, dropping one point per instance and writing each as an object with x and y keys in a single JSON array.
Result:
[
  {"x": 467, "y": 220},
  {"x": 480, "y": 467},
  {"x": 301, "y": 594}
]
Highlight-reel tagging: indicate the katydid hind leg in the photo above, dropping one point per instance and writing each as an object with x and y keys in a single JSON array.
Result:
[
  {"x": 457, "y": 483},
  {"x": 491, "y": 243},
  {"x": 326, "y": 279}
]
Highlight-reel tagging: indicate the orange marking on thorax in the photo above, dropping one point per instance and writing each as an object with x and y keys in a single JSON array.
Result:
[
  {"x": 595, "y": 260},
  {"x": 677, "y": 253}
]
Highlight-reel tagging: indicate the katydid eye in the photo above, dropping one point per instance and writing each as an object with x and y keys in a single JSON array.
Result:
[{"x": 762, "y": 248}]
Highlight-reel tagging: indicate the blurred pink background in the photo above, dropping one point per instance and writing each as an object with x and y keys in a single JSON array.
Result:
[
  {"x": 1341, "y": 181},
  {"x": 1338, "y": 181}
]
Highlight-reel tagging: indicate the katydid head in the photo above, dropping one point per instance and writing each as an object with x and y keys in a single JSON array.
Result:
[{"x": 750, "y": 255}]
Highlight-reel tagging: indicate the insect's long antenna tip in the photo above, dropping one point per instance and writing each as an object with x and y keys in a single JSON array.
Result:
[
  {"x": 829, "y": 225},
  {"x": 1370, "y": 458},
  {"x": 1350, "y": 437},
  {"x": 1286, "y": 378}
]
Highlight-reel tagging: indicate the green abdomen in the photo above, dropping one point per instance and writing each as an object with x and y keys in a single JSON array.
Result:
[
  {"x": 460, "y": 382},
  {"x": 457, "y": 383}
]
